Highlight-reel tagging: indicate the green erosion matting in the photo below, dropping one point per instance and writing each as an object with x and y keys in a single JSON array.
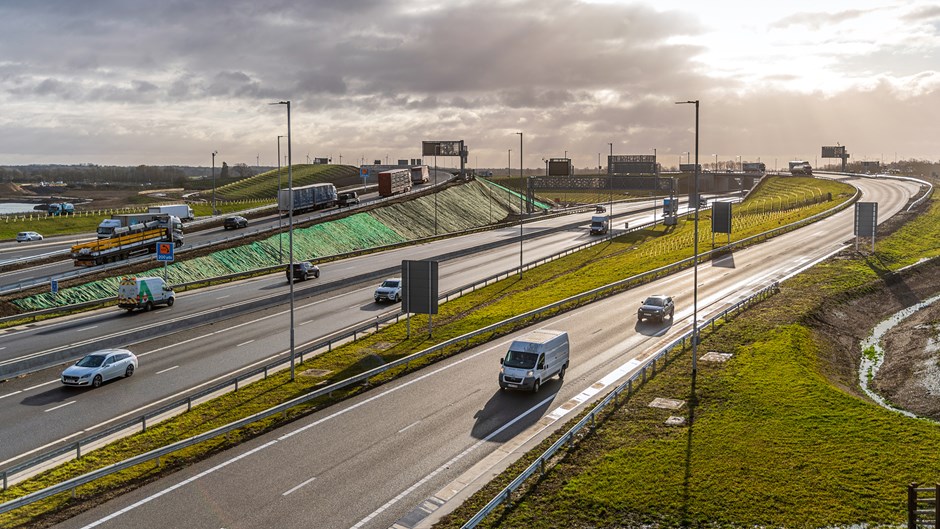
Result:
[
  {"x": 535, "y": 203},
  {"x": 352, "y": 233},
  {"x": 458, "y": 208}
]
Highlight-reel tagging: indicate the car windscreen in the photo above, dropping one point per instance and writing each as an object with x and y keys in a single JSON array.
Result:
[
  {"x": 91, "y": 361},
  {"x": 654, "y": 302},
  {"x": 520, "y": 359},
  {"x": 390, "y": 284}
]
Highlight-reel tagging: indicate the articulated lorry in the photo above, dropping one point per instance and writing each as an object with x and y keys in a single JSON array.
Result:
[
  {"x": 801, "y": 168},
  {"x": 60, "y": 208},
  {"x": 183, "y": 211},
  {"x": 140, "y": 238},
  {"x": 394, "y": 181},
  {"x": 307, "y": 198}
]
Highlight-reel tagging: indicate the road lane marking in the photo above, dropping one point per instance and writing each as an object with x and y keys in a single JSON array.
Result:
[
  {"x": 86, "y": 328},
  {"x": 244, "y": 343},
  {"x": 10, "y": 394},
  {"x": 409, "y": 426},
  {"x": 61, "y": 405},
  {"x": 41, "y": 385},
  {"x": 306, "y": 322},
  {"x": 178, "y": 485},
  {"x": 223, "y": 297},
  {"x": 165, "y": 370},
  {"x": 298, "y": 486}
]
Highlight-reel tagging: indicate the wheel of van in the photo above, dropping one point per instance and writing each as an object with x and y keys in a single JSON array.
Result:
[
  {"x": 397, "y": 298},
  {"x": 316, "y": 274},
  {"x": 96, "y": 382},
  {"x": 170, "y": 301},
  {"x": 303, "y": 277},
  {"x": 536, "y": 386},
  {"x": 129, "y": 371},
  {"x": 148, "y": 306},
  {"x": 561, "y": 374}
]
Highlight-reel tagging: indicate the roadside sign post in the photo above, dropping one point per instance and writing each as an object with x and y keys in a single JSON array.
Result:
[
  {"x": 165, "y": 254},
  {"x": 54, "y": 287}
]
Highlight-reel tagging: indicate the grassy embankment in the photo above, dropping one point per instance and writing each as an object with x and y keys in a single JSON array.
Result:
[
  {"x": 599, "y": 265},
  {"x": 774, "y": 441}
]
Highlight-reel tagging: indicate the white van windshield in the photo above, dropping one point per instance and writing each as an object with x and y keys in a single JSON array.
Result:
[{"x": 520, "y": 359}]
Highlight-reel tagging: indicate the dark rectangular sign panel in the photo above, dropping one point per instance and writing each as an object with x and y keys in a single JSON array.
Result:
[
  {"x": 689, "y": 167},
  {"x": 419, "y": 287},
  {"x": 440, "y": 148},
  {"x": 866, "y": 218},
  {"x": 833, "y": 152},
  {"x": 721, "y": 217},
  {"x": 559, "y": 167},
  {"x": 634, "y": 167}
]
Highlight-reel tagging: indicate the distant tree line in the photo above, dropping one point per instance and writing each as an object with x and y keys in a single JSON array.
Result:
[{"x": 188, "y": 177}]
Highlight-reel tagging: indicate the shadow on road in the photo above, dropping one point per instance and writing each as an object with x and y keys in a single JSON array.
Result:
[
  {"x": 653, "y": 328},
  {"x": 507, "y": 405},
  {"x": 724, "y": 260},
  {"x": 51, "y": 396}
]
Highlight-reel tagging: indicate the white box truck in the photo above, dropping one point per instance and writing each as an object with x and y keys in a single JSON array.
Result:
[
  {"x": 183, "y": 211},
  {"x": 144, "y": 293},
  {"x": 599, "y": 224},
  {"x": 534, "y": 358}
]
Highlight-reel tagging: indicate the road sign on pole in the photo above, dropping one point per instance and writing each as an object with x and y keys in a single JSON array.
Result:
[
  {"x": 54, "y": 286},
  {"x": 165, "y": 251}
]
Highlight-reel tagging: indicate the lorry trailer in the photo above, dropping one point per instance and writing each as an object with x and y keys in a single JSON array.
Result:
[
  {"x": 183, "y": 211},
  {"x": 394, "y": 181},
  {"x": 419, "y": 174},
  {"x": 307, "y": 198}
]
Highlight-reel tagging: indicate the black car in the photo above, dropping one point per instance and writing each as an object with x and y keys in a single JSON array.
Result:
[
  {"x": 304, "y": 270},
  {"x": 233, "y": 223},
  {"x": 656, "y": 308},
  {"x": 349, "y": 198}
]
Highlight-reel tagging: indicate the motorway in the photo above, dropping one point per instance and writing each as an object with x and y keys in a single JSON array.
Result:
[
  {"x": 369, "y": 461},
  {"x": 210, "y": 335}
]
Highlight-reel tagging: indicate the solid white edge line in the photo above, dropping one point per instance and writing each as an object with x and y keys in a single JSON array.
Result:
[{"x": 165, "y": 370}]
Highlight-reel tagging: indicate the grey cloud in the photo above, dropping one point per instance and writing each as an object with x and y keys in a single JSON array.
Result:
[{"x": 922, "y": 14}]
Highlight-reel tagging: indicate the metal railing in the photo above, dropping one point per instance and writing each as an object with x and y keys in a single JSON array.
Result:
[
  {"x": 64, "y": 453},
  {"x": 589, "y": 420},
  {"x": 922, "y": 508}
]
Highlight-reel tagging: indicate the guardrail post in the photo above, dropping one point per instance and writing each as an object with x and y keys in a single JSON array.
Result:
[
  {"x": 265, "y": 372},
  {"x": 643, "y": 372},
  {"x": 143, "y": 420},
  {"x": 4, "y": 480},
  {"x": 629, "y": 387},
  {"x": 236, "y": 384},
  {"x": 78, "y": 450},
  {"x": 189, "y": 404},
  {"x": 912, "y": 506}
]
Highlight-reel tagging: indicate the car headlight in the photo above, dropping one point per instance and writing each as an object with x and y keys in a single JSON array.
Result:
[
  {"x": 83, "y": 376},
  {"x": 529, "y": 374},
  {"x": 502, "y": 370}
]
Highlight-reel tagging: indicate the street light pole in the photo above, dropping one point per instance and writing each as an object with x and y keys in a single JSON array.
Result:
[
  {"x": 214, "y": 212},
  {"x": 695, "y": 247},
  {"x": 290, "y": 238},
  {"x": 521, "y": 190},
  {"x": 610, "y": 185},
  {"x": 280, "y": 236}
]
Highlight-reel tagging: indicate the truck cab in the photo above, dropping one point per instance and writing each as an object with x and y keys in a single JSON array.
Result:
[{"x": 600, "y": 224}]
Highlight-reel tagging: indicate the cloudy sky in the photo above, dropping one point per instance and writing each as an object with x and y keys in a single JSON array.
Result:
[{"x": 167, "y": 82}]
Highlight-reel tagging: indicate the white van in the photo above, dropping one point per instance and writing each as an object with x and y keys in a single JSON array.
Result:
[
  {"x": 144, "y": 293},
  {"x": 534, "y": 358}
]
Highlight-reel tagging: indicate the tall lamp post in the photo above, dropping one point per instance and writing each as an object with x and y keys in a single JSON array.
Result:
[
  {"x": 521, "y": 189},
  {"x": 694, "y": 246},
  {"x": 610, "y": 185},
  {"x": 214, "y": 212},
  {"x": 290, "y": 237},
  {"x": 280, "y": 237}
]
